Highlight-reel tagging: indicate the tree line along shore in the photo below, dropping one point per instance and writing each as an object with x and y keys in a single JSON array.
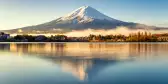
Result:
[{"x": 133, "y": 37}]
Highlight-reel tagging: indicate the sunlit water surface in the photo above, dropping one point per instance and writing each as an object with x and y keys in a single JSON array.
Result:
[{"x": 84, "y": 63}]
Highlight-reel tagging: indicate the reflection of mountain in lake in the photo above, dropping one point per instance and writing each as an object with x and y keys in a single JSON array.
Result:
[
  {"x": 87, "y": 60},
  {"x": 75, "y": 66},
  {"x": 98, "y": 66},
  {"x": 84, "y": 69}
]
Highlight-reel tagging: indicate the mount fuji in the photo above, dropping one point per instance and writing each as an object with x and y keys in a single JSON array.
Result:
[{"x": 82, "y": 18}]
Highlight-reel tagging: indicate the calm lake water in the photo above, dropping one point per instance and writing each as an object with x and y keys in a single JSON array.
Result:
[{"x": 84, "y": 63}]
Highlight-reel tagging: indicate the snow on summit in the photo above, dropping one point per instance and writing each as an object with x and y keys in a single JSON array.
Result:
[{"x": 86, "y": 14}]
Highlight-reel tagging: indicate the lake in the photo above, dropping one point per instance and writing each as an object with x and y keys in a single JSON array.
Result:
[{"x": 83, "y": 63}]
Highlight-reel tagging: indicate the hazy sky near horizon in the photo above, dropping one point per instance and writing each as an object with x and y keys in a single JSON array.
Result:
[{"x": 20, "y": 13}]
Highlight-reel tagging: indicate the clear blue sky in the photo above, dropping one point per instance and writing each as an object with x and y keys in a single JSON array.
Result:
[{"x": 20, "y": 13}]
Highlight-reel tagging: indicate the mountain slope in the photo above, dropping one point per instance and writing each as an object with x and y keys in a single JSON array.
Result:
[{"x": 82, "y": 18}]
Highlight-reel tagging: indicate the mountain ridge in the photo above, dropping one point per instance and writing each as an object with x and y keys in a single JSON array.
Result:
[{"x": 82, "y": 18}]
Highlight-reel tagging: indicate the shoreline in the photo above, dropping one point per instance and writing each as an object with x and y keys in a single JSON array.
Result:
[{"x": 82, "y": 42}]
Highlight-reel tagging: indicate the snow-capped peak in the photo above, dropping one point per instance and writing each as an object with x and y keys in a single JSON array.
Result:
[{"x": 86, "y": 13}]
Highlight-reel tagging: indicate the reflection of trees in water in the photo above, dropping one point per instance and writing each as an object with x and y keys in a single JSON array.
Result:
[
  {"x": 148, "y": 50},
  {"x": 47, "y": 49},
  {"x": 70, "y": 49},
  {"x": 90, "y": 50},
  {"x": 5, "y": 47}
]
